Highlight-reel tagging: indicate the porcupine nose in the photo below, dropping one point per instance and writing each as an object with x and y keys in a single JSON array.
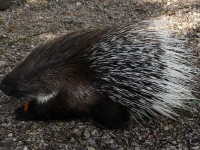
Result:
[
  {"x": 3, "y": 88},
  {"x": 8, "y": 91}
]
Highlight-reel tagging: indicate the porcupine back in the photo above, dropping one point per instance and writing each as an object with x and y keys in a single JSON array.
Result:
[{"x": 146, "y": 70}]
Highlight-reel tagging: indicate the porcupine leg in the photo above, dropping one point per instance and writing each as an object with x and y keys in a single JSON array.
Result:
[
  {"x": 36, "y": 111},
  {"x": 53, "y": 109},
  {"x": 109, "y": 114}
]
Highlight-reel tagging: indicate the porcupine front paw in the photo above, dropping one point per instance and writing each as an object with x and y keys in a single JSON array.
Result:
[
  {"x": 25, "y": 115},
  {"x": 22, "y": 115},
  {"x": 19, "y": 110}
]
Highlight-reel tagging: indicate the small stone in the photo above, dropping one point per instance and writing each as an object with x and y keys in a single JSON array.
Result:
[
  {"x": 82, "y": 142},
  {"x": 27, "y": 5},
  {"x": 113, "y": 146},
  {"x": 34, "y": 138},
  {"x": 72, "y": 139},
  {"x": 111, "y": 142},
  {"x": 41, "y": 141},
  {"x": 13, "y": 46},
  {"x": 25, "y": 148},
  {"x": 169, "y": 13},
  {"x": 174, "y": 142},
  {"x": 166, "y": 128},
  {"x": 91, "y": 141},
  {"x": 180, "y": 145},
  {"x": 139, "y": 137},
  {"x": 104, "y": 137},
  {"x": 94, "y": 132},
  {"x": 86, "y": 134},
  {"x": 171, "y": 147},
  {"x": 107, "y": 142},
  {"x": 195, "y": 148},
  {"x": 137, "y": 148},
  {"x": 18, "y": 148},
  {"x": 78, "y": 3},
  {"x": 19, "y": 11},
  {"x": 32, "y": 46},
  {"x": 10, "y": 135},
  {"x": 45, "y": 144},
  {"x": 180, "y": 27},
  {"x": 91, "y": 148}
]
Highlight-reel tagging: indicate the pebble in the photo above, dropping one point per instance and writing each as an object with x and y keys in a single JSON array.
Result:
[
  {"x": 195, "y": 148},
  {"x": 72, "y": 139},
  {"x": 19, "y": 148},
  {"x": 166, "y": 128},
  {"x": 111, "y": 142},
  {"x": 86, "y": 134},
  {"x": 168, "y": 3},
  {"x": 10, "y": 135},
  {"x": 78, "y": 3},
  {"x": 113, "y": 146},
  {"x": 27, "y": 5},
  {"x": 107, "y": 141},
  {"x": 91, "y": 141},
  {"x": 174, "y": 142},
  {"x": 91, "y": 148},
  {"x": 25, "y": 148},
  {"x": 93, "y": 132},
  {"x": 137, "y": 148},
  {"x": 82, "y": 142}
]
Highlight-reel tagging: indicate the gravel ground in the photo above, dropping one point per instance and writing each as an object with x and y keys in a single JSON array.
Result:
[{"x": 25, "y": 25}]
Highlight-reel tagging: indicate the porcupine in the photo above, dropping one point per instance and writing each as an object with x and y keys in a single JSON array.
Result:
[{"x": 111, "y": 75}]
